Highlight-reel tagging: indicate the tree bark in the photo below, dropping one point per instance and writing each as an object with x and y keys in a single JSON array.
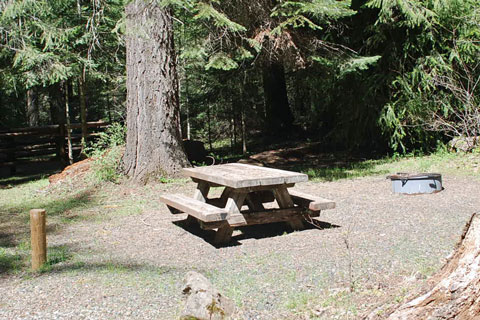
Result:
[
  {"x": 456, "y": 293},
  {"x": 154, "y": 144},
  {"x": 279, "y": 117},
  {"x": 57, "y": 113},
  {"x": 244, "y": 97},
  {"x": 68, "y": 122},
  {"x": 32, "y": 108},
  {"x": 83, "y": 108}
]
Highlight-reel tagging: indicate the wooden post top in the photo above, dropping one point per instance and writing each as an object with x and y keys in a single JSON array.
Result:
[{"x": 239, "y": 175}]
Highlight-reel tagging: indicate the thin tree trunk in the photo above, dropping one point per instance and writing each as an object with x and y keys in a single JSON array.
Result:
[
  {"x": 69, "y": 130},
  {"x": 154, "y": 146},
  {"x": 242, "y": 113},
  {"x": 187, "y": 108},
  {"x": 83, "y": 108},
  {"x": 232, "y": 126},
  {"x": 279, "y": 117},
  {"x": 209, "y": 128},
  {"x": 32, "y": 108},
  {"x": 244, "y": 133},
  {"x": 110, "y": 102},
  {"x": 234, "y": 122},
  {"x": 57, "y": 114}
]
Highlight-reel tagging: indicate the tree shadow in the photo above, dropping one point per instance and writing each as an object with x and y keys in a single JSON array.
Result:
[
  {"x": 28, "y": 172},
  {"x": 60, "y": 259},
  {"x": 316, "y": 162},
  {"x": 19, "y": 261},
  {"x": 263, "y": 231},
  {"x": 15, "y": 223},
  {"x": 111, "y": 267}
]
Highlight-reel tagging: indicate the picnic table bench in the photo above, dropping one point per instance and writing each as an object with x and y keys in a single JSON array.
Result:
[{"x": 251, "y": 195}]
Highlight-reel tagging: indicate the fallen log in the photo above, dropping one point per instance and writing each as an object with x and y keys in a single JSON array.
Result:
[{"x": 456, "y": 290}]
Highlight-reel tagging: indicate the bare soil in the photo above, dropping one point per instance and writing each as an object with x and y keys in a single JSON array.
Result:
[{"x": 374, "y": 250}]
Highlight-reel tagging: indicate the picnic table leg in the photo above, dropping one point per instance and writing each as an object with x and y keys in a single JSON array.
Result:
[
  {"x": 234, "y": 204},
  {"x": 202, "y": 191},
  {"x": 200, "y": 194},
  {"x": 223, "y": 234},
  {"x": 191, "y": 221},
  {"x": 254, "y": 203},
  {"x": 285, "y": 201},
  {"x": 233, "y": 207}
]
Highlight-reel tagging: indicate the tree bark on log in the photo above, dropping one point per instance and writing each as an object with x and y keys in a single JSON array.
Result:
[
  {"x": 154, "y": 145},
  {"x": 456, "y": 293}
]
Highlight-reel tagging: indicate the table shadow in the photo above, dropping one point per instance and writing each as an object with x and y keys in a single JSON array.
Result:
[{"x": 250, "y": 232}]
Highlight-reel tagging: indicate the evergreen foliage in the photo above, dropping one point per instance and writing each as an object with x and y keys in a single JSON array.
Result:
[
  {"x": 384, "y": 75},
  {"x": 46, "y": 43}
]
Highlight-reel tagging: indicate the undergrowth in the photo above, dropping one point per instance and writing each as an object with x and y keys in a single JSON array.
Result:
[
  {"x": 107, "y": 152},
  {"x": 465, "y": 164}
]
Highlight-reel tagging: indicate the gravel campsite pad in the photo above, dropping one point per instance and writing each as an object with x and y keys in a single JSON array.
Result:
[{"x": 375, "y": 248}]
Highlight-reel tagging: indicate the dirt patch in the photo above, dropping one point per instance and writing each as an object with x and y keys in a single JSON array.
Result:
[
  {"x": 311, "y": 154},
  {"x": 128, "y": 263},
  {"x": 77, "y": 170}
]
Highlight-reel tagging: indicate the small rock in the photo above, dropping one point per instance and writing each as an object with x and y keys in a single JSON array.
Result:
[{"x": 204, "y": 302}]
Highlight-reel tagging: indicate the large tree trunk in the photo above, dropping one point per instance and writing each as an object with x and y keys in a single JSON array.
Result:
[
  {"x": 279, "y": 117},
  {"x": 456, "y": 294},
  {"x": 154, "y": 144}
]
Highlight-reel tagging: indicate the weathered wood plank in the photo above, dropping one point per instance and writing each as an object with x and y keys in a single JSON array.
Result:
[
  {"x": 314, "y": 203},
  {"x": 238, "y": 175},
  {"x": 200, "y": 210},
  {"x": 211, "y": 184},
  {"x": 266, "y": 216},
  {"x": 264, "y": 188}
]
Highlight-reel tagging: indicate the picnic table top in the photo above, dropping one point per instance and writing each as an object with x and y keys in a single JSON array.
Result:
[{"x": 239, "y": 175}]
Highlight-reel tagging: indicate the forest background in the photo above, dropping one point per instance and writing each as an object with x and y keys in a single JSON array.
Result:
[{"x": 381, "y": 76}]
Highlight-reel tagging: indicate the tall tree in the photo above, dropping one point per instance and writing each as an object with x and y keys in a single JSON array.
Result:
[{"x": 154, "y": 144}]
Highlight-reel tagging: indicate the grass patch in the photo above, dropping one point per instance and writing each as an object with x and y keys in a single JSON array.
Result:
[
  {"x": 56, "y": 255},
  {"x": 300, "y": 301},
  {"x": 63, "y": 205},
  {"x": 462, "y": 164},
  {"x": 10, "y": 261}
]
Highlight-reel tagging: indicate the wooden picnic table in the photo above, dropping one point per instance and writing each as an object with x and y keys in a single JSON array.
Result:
[{"x": 251, "y": 195}]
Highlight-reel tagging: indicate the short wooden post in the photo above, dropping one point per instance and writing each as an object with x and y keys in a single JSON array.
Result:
[{"x": 39, "y": 237}]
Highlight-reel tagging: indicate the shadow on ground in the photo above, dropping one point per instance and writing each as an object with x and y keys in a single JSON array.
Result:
[
  {"x": 28, "y": 172},
  {"x": 263, "y": 231},
  {"x": 309, "y": 158},
  {"x": 15, "y": 228}
]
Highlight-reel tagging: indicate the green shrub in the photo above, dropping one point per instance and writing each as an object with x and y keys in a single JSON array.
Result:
[{"x": 107, "y": 152}]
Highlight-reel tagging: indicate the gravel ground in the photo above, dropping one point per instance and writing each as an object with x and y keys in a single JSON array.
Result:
[{"x": 379, "y": 246}]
